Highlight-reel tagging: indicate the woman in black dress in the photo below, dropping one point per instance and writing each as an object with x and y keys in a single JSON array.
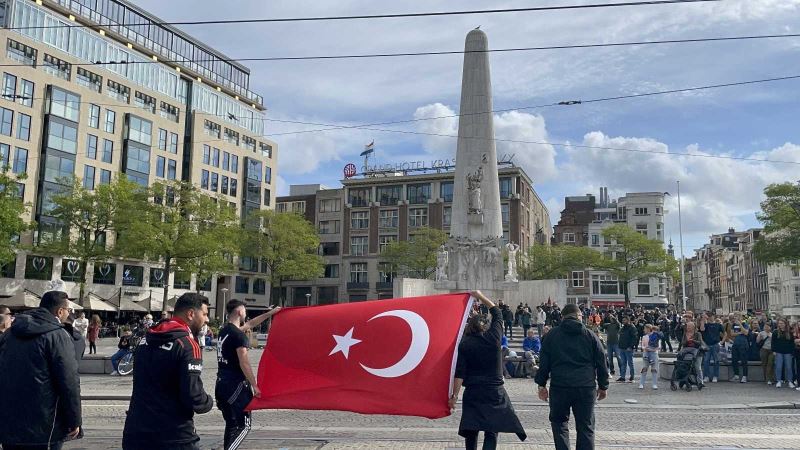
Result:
[{"x": 486, "y": 406}]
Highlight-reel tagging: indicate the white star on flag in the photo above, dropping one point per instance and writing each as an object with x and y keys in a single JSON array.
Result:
[{"x": 343, "y": 343}]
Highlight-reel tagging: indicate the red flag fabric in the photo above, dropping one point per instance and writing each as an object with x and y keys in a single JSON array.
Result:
[{"x": 378, "y": 357}]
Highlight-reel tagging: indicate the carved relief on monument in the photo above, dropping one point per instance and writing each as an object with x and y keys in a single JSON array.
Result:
[
  {"x": 512, "y": 250},
  {"x": 475, "y": 203}
]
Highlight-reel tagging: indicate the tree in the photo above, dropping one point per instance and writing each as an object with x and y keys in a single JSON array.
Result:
[
  {"x": 417, "y": 256},
  {"x": 286, "y": 242},
  {"x": 182, "y": 227},
  {"x": 12, "y": 208},
  {"x": 632, "y": 256},
  {"x": 780, "y": 214},
  {"x": 545, "y": 262},
  {"x": 88, "y": 218}
]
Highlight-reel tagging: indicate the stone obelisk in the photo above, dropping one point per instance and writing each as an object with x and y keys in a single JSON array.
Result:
[{"x": 474, "y": 255}]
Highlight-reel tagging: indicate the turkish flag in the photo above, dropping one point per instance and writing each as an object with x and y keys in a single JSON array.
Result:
[{"x": 377, "y": 357}]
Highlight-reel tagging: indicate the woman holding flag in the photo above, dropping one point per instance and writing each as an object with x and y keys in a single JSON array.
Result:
[{"x": 486, "y": 406}]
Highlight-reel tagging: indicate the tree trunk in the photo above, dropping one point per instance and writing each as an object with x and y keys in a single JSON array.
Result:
[
  {"x": 626, "y": 288},
  {"x": 84, "y": 281},
  {"x": 167, "y": 268}
]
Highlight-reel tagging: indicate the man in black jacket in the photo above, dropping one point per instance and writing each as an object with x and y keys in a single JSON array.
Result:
[
  {"x": 167, "y": 389},
  {"x": 628, "y": 340},
  {"x": 572, "y": 358},
  {"x": 41, "y": 403}
]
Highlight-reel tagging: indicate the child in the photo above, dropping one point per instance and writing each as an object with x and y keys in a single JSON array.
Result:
[{"x": 650, "y": 355}]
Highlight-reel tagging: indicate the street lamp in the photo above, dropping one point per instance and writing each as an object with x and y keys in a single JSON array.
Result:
[
  {"x": 308, "y": 299},
  {"x": 224, "y": 303}
]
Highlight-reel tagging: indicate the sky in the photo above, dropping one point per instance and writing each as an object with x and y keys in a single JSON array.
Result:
[{"x": 669, "y": 138}]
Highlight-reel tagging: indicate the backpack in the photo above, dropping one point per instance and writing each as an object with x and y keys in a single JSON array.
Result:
[{"x": 653, "y": 340}]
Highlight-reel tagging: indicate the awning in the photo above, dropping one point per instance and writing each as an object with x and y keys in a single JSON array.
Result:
[
  {"x": 24, "y": 298},
  {"x": 608, "y": 302},
  {"x": 94, "y": 303},
  {"x": 129, "y": 305}
]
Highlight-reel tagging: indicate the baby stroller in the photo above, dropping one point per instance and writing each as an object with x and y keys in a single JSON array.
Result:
[{"x": 685, "y": 375}]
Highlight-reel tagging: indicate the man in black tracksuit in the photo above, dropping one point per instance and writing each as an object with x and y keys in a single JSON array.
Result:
[
  {"x": 572, "y": 359},
  {"x": 167, "y": 389}
]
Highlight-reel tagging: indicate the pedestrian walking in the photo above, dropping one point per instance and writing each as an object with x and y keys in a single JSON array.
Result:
[
  {"x": 712, "y": 332},
  {"x": 485, "y": 404},
  {"x": 764, "y": 341},
  {"x": 627, "y": 342},
  {"x": 572, "y": 359},
  {"x": 93, "y": 332},
  {"x": 40, "y": 407},
  {"x": 167, "y": 388},
  {"x": 783, "y": 347},
  {"x": 236, "y": 384}
]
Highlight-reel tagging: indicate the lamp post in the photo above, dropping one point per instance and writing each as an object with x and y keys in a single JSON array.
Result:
[
  {"x": 308, "y": 299},
  {"x": 680, "y": 242},
  {"x": 224, "y": 303}
]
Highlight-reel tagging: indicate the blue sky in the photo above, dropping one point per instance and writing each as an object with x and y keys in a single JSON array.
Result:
[{"x": 758, "y": 121}]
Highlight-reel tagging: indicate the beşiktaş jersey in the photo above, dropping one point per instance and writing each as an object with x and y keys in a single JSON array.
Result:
[{"x": 229, "y": 340}]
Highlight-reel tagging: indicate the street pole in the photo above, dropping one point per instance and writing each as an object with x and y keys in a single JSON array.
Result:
[{"x": 680, "y": 242}]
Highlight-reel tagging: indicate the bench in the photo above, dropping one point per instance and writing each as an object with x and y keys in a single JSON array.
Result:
[
  {"x": 95, "y": 364},
  {"x": 754, "y": 371}
]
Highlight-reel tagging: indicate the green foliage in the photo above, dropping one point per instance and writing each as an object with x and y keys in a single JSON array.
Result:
[
  {"x": 416, "y": 257},
  {"x": 286, "y": 242},
  {"x": 186, "y": 229},
  {"x": 544, "y": 262},
  {"x": 632, "y": 256},
  {"x": 780, "y": 214},
  {"x": 12, "y": 208}
]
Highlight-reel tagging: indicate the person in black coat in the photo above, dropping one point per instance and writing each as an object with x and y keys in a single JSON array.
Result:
[
  {"x": 486, "y": 406},
  {"x": 41, "y": 402},
  {"x": 572, "y": 359}
]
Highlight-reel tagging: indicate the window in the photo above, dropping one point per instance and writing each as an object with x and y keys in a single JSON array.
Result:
[
  {"x": 57, "y": 67},
  {"x": 62, "y": 137},
  {"x": 643, "y": 287},
  {"x": 105, "y": 176},
  {"x": 206, "y": 154},
  {"x": 204, "y": 175},
  {"x": 419, "y": 193},
  {"x": 182, "y": 280},
  {"x": 447, "y": 216},
  {"x": 418, "y": 217},
  {"x": 658, "y": 210},
  {"x": 266, "y": 149},
  {"x": 388, "y": 218},
  {"x": 641, "y": 228},
  {"x": 173, "y": 143},
  {"x": 595, "y": 240},
  {"x": 88, "y": 177},
  {"x": 242, "y": 285},
  {"x": 94, "y": 116},
  {"x": 385, "y": 273},
  {"x": 331, "y": 271},
  {"x": 39, "y": 267},
  {"x": 118, "y": 91},
  {"x": 389, "y": 195},
  {"x": 358, "y": 196},
  {"x": 160, "y": 166},
  {"x": 65, "y": 104},
  {"x": 20, "y": 161},
  {"x": 447, "y": 191},
  {"x": 172, "y": 169},
  {"x": 797, "y": 295},
  {"x": 137, "y": 165},
  {"x": 329, "y": 248},
  {"x": 5, "y": 154},
  {"x": 234, "y": 164},
  {"x": 104, "y": 273},
  {"x": 89, "y": 79},
  {"x": 605, "y": 285},
  {"x": 259, "y": 286},
  {"x": 577, "y": 278},
  {"x": 359, "y": 245},
  {"x": 24, "y": 127},
  {"x": 162, "y": 139},
  {"x": 145, "y": 102},
  {"x": 569, "y": 237},
  {"x": 21, "y": 52},
  {"x": 215, "y": 157},
  {"x": 505, "y": 214},
  {"x": 640, "y": 211},
  {"x": 139, "y": 130},
  {"x": 329, "y": 205},
  {"x": 91, "y": 146},
  {"x": 108, "y": 151},
  {"x": 9, "y": 86},
  {"x": 223, "y": 186},
  {"x": 211, "y": 129},
  {"x": 329, "y": 226},
  {"x": 358, "y": 273},
  {"x": 26, "y": 94},
  {"x": 111, "y": 118},
  {"x": 6, "y": 119},
  {"x": 359, "y": 220},
  {"x": 214, "y": 182},
  {"x": 170, "y": 112},
  {"x": 268, "y": 175},
  {"x": 231, "y": 136},
  {"x": 505, "y": 187},
  {"x": 234, "y": 185},
  {"x": 385, "y": 241},
  {"x": 226, "y": 161}
]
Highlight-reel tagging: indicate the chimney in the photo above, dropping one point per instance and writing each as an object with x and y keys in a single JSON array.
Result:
[{"x": 731, "y": 230}]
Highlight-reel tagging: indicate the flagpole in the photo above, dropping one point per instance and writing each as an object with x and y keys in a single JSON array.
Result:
[{"x": 680, "y": 242}]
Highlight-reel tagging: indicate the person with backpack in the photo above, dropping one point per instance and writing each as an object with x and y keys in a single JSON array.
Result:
[{"x": 649, "y": 355}]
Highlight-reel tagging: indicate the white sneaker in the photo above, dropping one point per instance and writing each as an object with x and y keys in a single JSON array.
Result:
[
  {"x": 714, "y": 380},
  {"x": 792, "y": 385},
  {"x": 779, "y": 384},
  {"x": 655, "y": 387},
  {"x": 705, "y": 379},
  {"x": 769, "y": 383},
  {"x": 744, "y": 380},
  {"x": 735, "y": 378},
  {"x": 114, "y": 373},
  {"x": 641, "y": 386}
]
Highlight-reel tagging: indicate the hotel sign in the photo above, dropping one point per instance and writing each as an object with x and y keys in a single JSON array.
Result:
[{"x": 416, "y": 166}]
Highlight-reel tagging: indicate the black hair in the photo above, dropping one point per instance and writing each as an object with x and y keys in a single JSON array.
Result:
[
  {"x": 54, "y": 300},
  {"x": 190, "y": 300},
  {"x": 477, "y": 324},
  {"x": 5, "y": 309},
  {"x": 570, "y": 310},
  {"x": 233, "y": 304}
]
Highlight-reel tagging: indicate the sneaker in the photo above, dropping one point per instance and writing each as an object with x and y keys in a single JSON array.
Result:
[
  {"x": 769, "y": 383},
  {"x": 641, "y": 386},
  {"x": 621, "y": 380},
  {"x": 798, "y": 389},
  {"x": 705, "y": 379},
  {"x": 792, "y": 385},
  {"x": 744, "y": 380},
  {"x": 114, "y": 373},
  {"x": 630, "y": 380},
  {"x": 735, "y": 378},
  {"x": 655, "y": 387},
  {"x": 779, "y": 384},
  {"x": 612, "y": 373},
  {"x": 714, "y": 380}
]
